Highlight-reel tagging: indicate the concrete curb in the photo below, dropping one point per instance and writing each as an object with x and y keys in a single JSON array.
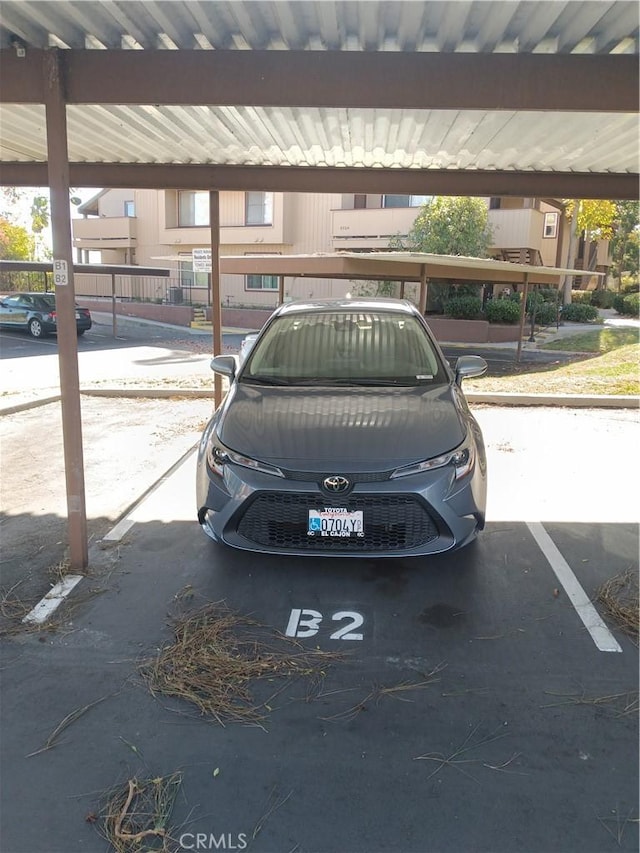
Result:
[
  {"x": 30, "y": 404},
  {"x": 149, "y": 393},
  {"x": 567, "y": 401}
]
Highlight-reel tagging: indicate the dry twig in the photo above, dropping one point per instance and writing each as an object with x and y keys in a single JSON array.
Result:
[
  {"x": 62, "y": 725},
  {"x": 622, "y": 703},
  {"x": 619, "y": 823},
  {"x": 378, "y": 692},
  {"x": 139, "y": 811},
  {"x": 456, "y": 758},
  {"x": 619, "y": 595},
  {"x": 215, "y": 657}
]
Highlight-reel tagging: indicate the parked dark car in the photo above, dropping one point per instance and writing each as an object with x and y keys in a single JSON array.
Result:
[
  {"x": 344, "y": 431},
  {"x": 36, "y": 313}
]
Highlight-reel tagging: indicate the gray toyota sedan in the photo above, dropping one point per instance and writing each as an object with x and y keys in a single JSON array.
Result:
[{"x": 344, "y": 431}]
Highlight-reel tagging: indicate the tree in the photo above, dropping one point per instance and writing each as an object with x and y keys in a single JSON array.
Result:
[
  {"x": 593, "y": 219},
  {"x": 625, "y": 243},
  {"x": 30, "y": 211},
  {"x": 596, "y": 218},
  {"x": 451, "y": 225},
  {"x": 16, "y": 244}
]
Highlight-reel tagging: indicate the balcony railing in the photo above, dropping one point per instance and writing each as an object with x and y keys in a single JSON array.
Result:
[
  {"x": 106, "y": 232},
  {"x": 371, "y": 228},
  {"x": 517, "y": 228}
]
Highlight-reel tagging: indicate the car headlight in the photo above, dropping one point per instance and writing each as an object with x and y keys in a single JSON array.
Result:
[
  {"x": 462, "y": 459},
  {"x": 218, "y": 456}
]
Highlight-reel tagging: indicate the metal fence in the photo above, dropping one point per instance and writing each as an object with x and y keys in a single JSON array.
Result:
[{"x": 159, "y": 290}]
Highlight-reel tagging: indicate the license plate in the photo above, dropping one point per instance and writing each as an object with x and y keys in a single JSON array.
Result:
[{"x": 335, "y": 522}]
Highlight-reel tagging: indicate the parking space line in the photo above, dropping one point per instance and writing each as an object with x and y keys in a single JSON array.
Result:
[
  {"x": 141, "y": 508},
  {"x": 600, "y": 634},
  {"x": 52, "y": 600}
]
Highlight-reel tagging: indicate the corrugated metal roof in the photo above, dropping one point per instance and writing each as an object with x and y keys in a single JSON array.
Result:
[
  {"x": 428, "y": 139},
  {"x": 548, "y": 26},
  {"x": 405, "y": 265}
]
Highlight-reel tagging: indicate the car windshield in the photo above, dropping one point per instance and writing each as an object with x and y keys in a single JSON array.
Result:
[{"x": 344, "y": 348}]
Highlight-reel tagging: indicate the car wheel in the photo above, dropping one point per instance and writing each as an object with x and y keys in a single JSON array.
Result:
[
  {"x": 35, "y": 328},
  {"x": 80, "y": 332}
]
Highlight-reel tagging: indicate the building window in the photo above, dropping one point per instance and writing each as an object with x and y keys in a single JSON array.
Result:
[
  {"x": 259, "y": 209},
  {"x": 189, "y": 278},
  {"x": 129, "y": 208},
  {"x": 193, "y": 209},
  {"x": 495, "y": 203},
  {"x": 550, "y": 225},
  {"x": 262, "y": 282},
  {"x": 359, "y": 201},
  {"x": 405, "y": 200}
]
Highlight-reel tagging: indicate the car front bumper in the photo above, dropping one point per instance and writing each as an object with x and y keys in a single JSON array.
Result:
[{"x": 421, "y": 514}]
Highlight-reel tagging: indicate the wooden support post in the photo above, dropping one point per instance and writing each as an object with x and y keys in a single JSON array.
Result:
[
  {"x": 523, "y": 312},
  {"x": 114, "y": 322},
  {"x": 423, "y": 289},
  {"x": 280, "y": 289},
  {"x": 216, "y": 302},
  {"x": 58, "y": 172}
]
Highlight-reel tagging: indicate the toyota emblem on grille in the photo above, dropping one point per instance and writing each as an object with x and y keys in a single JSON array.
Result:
[{"x": 336, "y": 484}]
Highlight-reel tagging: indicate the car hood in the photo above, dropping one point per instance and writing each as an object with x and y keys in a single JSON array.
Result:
[{"x": 311, "y": 429}]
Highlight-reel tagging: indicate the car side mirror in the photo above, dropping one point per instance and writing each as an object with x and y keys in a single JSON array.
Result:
[
  {"x": 468, "y": 366},
  {"x": 224, "y": 364}
]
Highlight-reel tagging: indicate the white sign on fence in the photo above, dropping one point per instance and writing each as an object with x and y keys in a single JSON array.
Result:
[{"x": 201, "y": 259}]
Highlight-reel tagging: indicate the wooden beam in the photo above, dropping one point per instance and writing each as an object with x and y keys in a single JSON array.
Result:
[
  {"x": 472, "y": 182},
  {"x": 368, "y": 79}
]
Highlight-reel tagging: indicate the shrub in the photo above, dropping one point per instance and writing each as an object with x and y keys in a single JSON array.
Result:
[
  {"x": 549, "y": 294},
  {"x": 577, "y": 313},
  {"x": 546, "y": 314},
  {"x": 502, "y": 311},
  {"x": 628, "y": 304},
  {"x": 618, "y": 303},
  {"x": 628, "y": 284},
  {"x": 464, "y": 307},
  {"x": 581, "y": 297},
  {"x": 602, "y": 298},
  {"x": 542, "y": 297}
]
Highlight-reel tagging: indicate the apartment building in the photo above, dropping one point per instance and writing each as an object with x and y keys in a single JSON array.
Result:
[{"x": 163, "y": 227}]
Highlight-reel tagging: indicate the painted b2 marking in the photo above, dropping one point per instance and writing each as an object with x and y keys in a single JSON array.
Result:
[{"x": 306, "y": 623}]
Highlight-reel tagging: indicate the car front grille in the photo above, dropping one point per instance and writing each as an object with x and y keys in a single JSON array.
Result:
[
  {"x": 314, "y": 477},
  {"x": 391, "y": 523}
]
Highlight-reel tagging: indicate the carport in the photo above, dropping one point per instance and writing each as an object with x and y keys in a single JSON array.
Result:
[
  {"x": 432, "y": 97},
  {"x": 399, "y": 267}
]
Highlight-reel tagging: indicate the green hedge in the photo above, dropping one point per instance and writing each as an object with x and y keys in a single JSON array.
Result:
[
  {"x": 577, "y": 313},
  {"x": 464, "y": 308},
  {"x": 627, "y": 304},
  {"x": 546, "y": 313},
  {"x": 581, "y": 297},
  {"x": 602, "y": 298},
  {"x": 502, "y": 311}
]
